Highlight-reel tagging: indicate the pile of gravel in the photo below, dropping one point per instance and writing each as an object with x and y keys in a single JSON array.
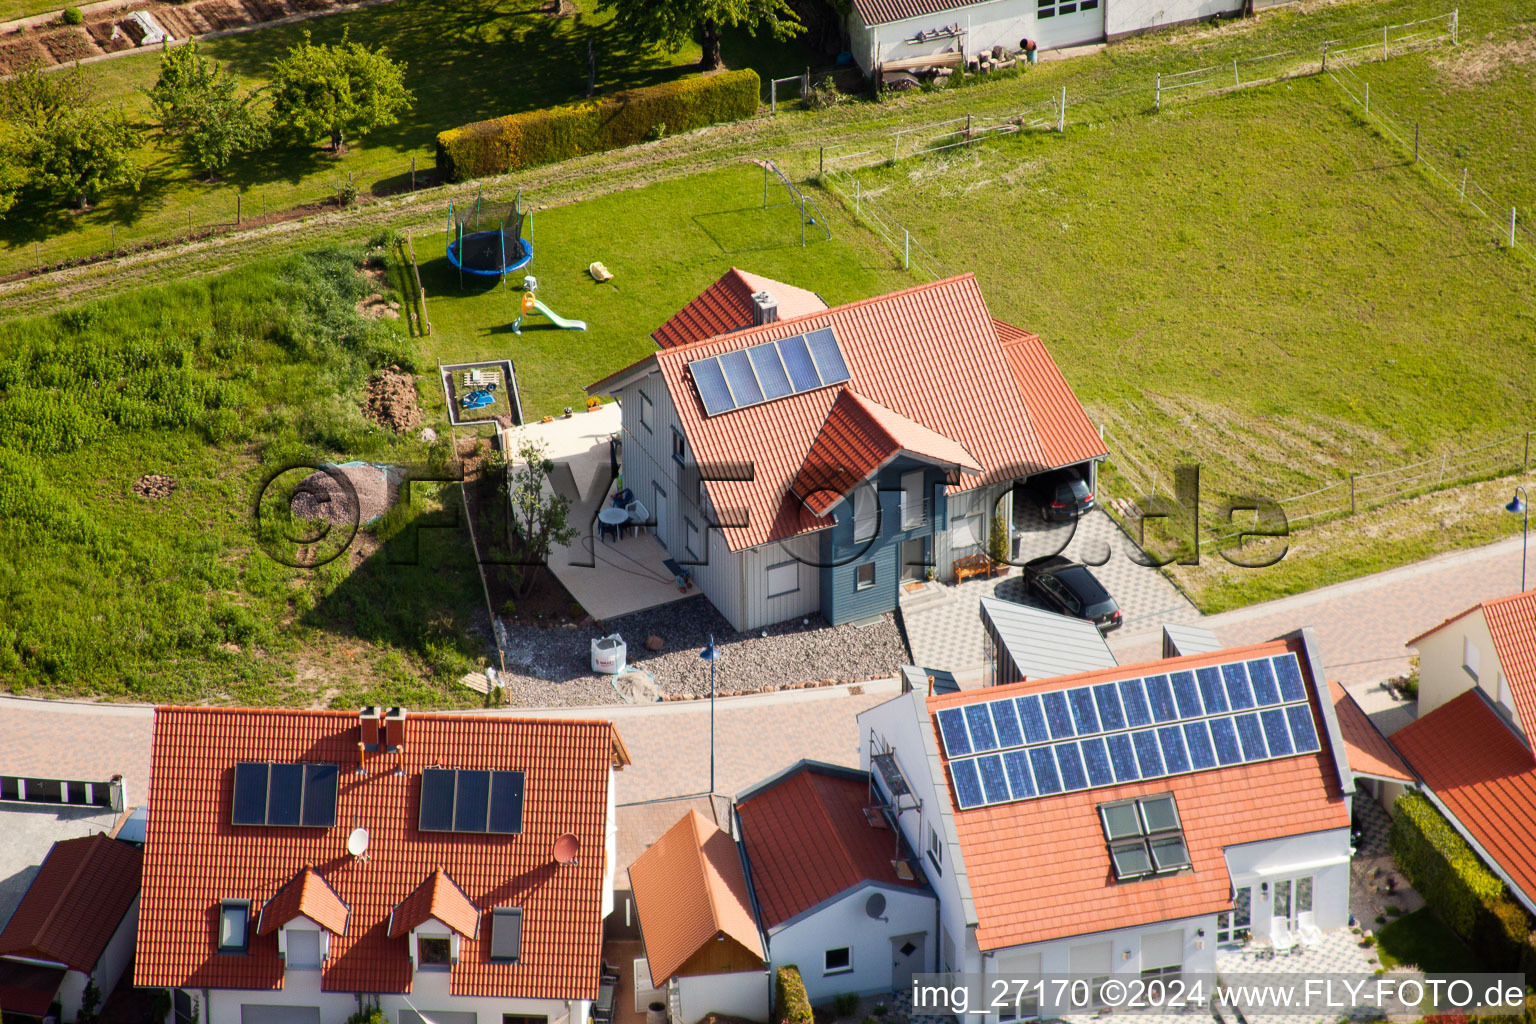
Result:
[
  {"x": 321, "y": 496},
  {"x": 552, "y": 666}
]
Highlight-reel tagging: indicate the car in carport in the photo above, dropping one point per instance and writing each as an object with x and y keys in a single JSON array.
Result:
[
  {"x": 1061, "y": 495},
  {"x": 1070, "y": 588}
]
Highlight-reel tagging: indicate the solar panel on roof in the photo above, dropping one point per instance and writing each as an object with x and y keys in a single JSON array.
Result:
[
  {"x": 1251, "y": 734},
  {"x": 1175, "y": 757},
  {"x": 1239, "y": 694},
  {"x": 1057, "y": 715},
  {"x": 320, "y": 784},
  {"x": 829, "y": 357},
  {"x": 1224, "y": 738},
  {"x": 1016, "y": 764},
  {"x": 1096, "y": 762},
  {"x": 1047, "y": 781},
  {"x": 770, "y": 371},
  {"x": 506, "y": 802},
  {"x": 1303, "y": 730},
  {"x": 1032, "y": 718},
  {"x": 1289, "y": 676},
  {"x": 1107, "y": 697},
  {"x": 1277, "y": 732},
  {"x": 710, "y": 380},
  {"x": 1197, "y": 737},
  {"x": 952, "y": 726},
  {"x": 1160, "y": 697},
  {"x": 1265, "y": 692},
  {"x": 994, "y": 784},
  {"x": 1006, "y": 719},
  {"x": 738, "y": 373},
  {"x": 1133, "y": 697},
  {"x": 967, "y": 783},
  {"x": 1149, "y": 757},
  {"x": 471, "y": 802},
  {"x": 980, "y": 721},
  {"x": 797, "y": 360},
  {"x": 285, "y": 794},
  {"x": 1186, "y": 694},
  {"x": 1122, "y": 757},
  {"x": 437, "y": 785},
  {"x": 250, "y": 803},
  {"x": 1070, "y": 762},
  {"x": 1084, "y": 716},
  {"x": 1212, "y": 692}
]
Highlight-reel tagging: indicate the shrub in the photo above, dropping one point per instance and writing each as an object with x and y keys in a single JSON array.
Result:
[
  {"x": 1440, "y": 864},
  {"x": 791, "y": 1004},
  {"x": 1500, "y": 934},
  {"x": 845, "y": 1004},
  {"x": 656, "y": 131},
  {"x": 559, "y": 133},
  {"x": 823, "y": 94},
  {"x": 72, "y": 16}
]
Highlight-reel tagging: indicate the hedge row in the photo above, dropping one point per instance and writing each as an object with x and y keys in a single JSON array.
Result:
[
  {"x": 791, "y": 1005},
  {"x": 1440, "y": 864},
  {"x": 558, "y": 133}
]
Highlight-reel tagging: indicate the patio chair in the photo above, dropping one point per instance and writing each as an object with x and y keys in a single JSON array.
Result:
[
  {"x": 1307, "y": 931},
  {"x": 609, "y": 972},
  {"x": 638, "y": 515},
  {"x": 1281, "y": 937}
]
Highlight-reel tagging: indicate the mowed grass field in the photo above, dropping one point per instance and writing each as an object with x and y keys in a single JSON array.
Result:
[{"x": 1258, "y": 284}]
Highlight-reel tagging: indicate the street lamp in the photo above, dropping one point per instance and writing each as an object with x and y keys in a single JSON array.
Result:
[
  {"x": 711, "y": 654},
  {"x": 1518, "y": 506}
]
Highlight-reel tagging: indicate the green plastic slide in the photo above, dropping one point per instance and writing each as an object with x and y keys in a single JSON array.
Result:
[{"x": 558, "y": 320}]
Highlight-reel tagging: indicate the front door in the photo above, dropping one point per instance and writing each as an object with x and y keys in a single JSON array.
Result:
[
  {"x": 913, "y": 559},
  {"x": 906, "y": 959},
  {"x": 1293, "y": 897}
]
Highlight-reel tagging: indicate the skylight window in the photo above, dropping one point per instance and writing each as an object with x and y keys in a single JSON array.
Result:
[
  {"x": 234, "y": 926},
  {"x": 507, "y": 934},
  {"x": 1145, "y": 837}
]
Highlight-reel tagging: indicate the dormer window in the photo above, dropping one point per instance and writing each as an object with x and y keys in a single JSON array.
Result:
[
  {"x": 434, "y": 952},
  {"x": 235, "y": 926}
]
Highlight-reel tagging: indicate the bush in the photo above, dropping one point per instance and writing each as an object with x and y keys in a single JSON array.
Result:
[
  {"x": 72, "y": 16},
  {"x": 1440, "y": 864},
  {"x": 559, "y": 133},
  {"x": 1500, "y": 934},
  {"x": 822, "y": 95},
  {"x": 791, "y": 1004},
  {"x": 845, "y": 1004}
]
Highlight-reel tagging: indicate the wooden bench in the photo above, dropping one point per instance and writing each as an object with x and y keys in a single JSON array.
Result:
[{"x": 972, "y": 565}]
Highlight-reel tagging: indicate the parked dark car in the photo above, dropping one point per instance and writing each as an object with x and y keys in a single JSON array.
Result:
[
  {"x": 1061, "y": 495},
  {"x": 1071, "y": 589}
]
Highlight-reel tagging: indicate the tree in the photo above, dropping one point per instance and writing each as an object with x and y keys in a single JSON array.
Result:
[
  {"x": 198, "y": 104},
  {"x": 69, "y": 147},
  {"x": 539, "y": 514},
  {"x": 340, "y": 91},
  {"x": 671, "y": 23}
]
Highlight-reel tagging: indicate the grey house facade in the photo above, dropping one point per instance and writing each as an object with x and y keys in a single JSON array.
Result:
[{"x": 814, "y": 464}]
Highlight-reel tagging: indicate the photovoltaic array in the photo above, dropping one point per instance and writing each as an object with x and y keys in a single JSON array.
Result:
[
  {"x": 774, "y": 369},
  {"x": 1151, "y": 727}
]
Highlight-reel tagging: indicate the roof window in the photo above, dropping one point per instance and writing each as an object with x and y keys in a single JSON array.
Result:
[{"x": 1145, "y": 837}]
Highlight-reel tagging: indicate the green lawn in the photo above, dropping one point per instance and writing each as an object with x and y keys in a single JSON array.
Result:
[{"x": 1421, "y": 939}]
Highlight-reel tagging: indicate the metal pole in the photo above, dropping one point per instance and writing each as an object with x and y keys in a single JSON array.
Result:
[
  {"x": 1325, "y": 58},
  {"x": 1525, "y": 463},
  {"x": 1511, "y": 227},
  {"x": 821, "y": 160},
  {"x": 1415, "y": 143},
  {"x": 237, "y": 209},
  {"x": 802, "y": 222},
  {"x": 1463, "y": 185},
  {"x": 967, "y": 129},
  {"x": 906, "y": 249},
  {"x": 765, "y": 186},
  {"x": 1455, "y": 25},
  {"x": 1351, "y": 494},
  {"x": 1367, "y": 97},
  {"x": 1157, "y": 93},
  {"x": 1235, "y": 79},
  {"x": 856, "y": 191},
  {"x": 712, "y": 722},
  {"x": 773, "y": 96},
  {"x": 413, "y": 174},
  {"x": 1384, "y": 51},
  {"x": 1061, "y": 114},
  {"x": 896, "y": 147}
]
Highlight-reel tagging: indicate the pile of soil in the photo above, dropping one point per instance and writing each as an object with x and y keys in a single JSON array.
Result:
[
  {"x": 154, "y": 485},
  {"x": 320, "y": 496},
  {"x": 391, "y": 401},
  {"x": 377, "y": 306}
]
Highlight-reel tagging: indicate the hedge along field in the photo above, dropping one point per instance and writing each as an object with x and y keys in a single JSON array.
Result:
[
  {"x": 213, "y": 382},
  {"x": 559, "y": 133}
]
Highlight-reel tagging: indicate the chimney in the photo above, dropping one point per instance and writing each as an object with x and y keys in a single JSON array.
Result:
[
  {"x": 394, "y": 728},
  {"x": 372, "y": 729},
  {"x": 765, "y": 309}
]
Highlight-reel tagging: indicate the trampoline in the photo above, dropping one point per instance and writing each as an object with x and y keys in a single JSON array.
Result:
[{"x": 487, "y": 239}]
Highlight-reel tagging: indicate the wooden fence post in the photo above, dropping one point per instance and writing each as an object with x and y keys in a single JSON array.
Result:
[{"x": 1351, "y": 494}]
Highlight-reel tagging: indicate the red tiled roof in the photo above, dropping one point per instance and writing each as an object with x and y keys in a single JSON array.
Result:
[
  {"x": 307, "y": 895},
  {"x": 726, "y": 306},
  {"x": 1511, "y": 622},
  {"x": 878, "y": 12},
  {"x": 690, "y": 891},
  {"x": 1066, "y": 435},
  {"x": 436, "y": 897},
  {"x": 28, "y": 988},
  {"x": 75, "y": 902},
  {"x": 929, "y": 354},
  {"x": 807, "y": 840},
  {"x": 195, "y": 858},
  {"x": 858, "y": 438},
  {"x": 1039, "y": 869},
  {"x": 1369, "y": 752},
  {"x": 1484, "y": 775}
]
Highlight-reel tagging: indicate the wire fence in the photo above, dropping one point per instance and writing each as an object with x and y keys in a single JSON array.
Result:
[{"x": 1354, "y": 493}]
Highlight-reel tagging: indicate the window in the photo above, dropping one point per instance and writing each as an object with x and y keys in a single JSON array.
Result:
[
  {"x": 1304, "y": 894},
  {"x": 783, "y": 578},
  {"x": 864, "y": 576},
  {"x": 935, "y": 849},
  {"x": 865, "y": 515},
  {"x": 912, "y": 500},
  {"x": 1232, "y": 925},
  {"x": 965, "y": 532},
  {"x": 838, "y": 961},
  {"x": 522, "y": 1018},
  {"x": 303, "y": 952},
  {"x": 434, "y": 951},
  {"x": 679, "y": 447},
  {"x": 1145, "y": 837},
  {"x": 507, "y": 934},
  {"x": 234, "y": 926},
  {"x": 182, "y": 1002},
  {"x": 1051, "y": 8},
  {"x": 1021, "y": 1004},
  {"x": 645, "y": 411},
  {"x": 691, "y": 538},
  {"x": 1469, "y": 656}
]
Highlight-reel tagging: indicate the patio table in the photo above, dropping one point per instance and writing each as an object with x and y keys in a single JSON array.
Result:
[{"x": 610, "y": 520}]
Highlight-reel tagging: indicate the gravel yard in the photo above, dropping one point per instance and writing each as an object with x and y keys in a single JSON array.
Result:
[{"x": 552, "y": 666}]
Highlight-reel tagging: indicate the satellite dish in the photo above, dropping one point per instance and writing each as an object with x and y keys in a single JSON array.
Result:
[
  {"x": 875, "y": 905},
  {"x": 567, "y": 848},
  {"x": 357, "y": 842}
]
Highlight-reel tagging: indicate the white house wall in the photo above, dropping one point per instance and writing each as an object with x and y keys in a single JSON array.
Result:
[
  {"x": 743, "y": 994},
  {"x": 846, "y": 922},
  {"x": 429, "y": 993},
  {"x": 1442, "y": 677},
  {"x": 1322, "y": 855},
  {"x": 1122, "y": 17},
  {"x": 761, "y": 610}
]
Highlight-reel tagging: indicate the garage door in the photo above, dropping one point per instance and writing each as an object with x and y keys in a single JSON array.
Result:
[
  {"x": 1068, "y": 22},
  {"x": 257, "y": 1013},
  {"x": 437, "y": 1017}
]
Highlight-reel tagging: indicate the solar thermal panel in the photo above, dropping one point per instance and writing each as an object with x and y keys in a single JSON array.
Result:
[
  {"x": 797, "y": 360},
  {"x": 738, "y": 372},
  {"x": 829, "y": 358},
  {"x": 770, "y": 371},
  {"x": 713, "y": 392}
]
